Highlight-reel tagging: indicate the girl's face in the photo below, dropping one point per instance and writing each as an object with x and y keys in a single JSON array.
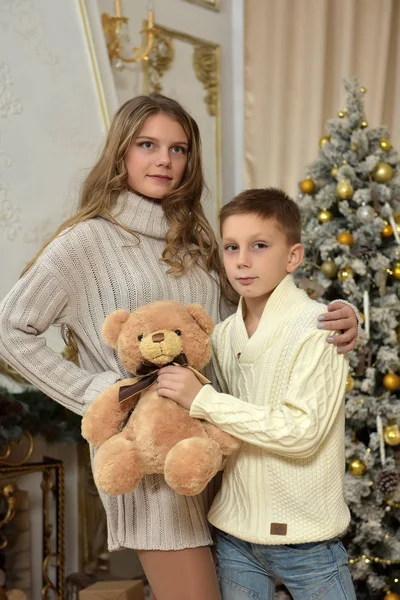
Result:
[{"x": 157, "y": 158}]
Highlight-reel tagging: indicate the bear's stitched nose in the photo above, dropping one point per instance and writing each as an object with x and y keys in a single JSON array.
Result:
[{"x": 158, "y": 337}]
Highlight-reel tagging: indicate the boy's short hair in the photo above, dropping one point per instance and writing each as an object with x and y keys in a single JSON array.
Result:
[{"x": 268, "y": 203}]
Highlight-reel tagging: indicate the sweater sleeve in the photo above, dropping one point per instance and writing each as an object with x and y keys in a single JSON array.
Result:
[
  {"x": 37, "y": 301},
  {"x": 296, "y": 427}
]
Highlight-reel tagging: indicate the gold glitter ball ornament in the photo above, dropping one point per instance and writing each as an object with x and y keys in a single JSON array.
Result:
[
  {"x": 387, "y": 231},
  {"x": 334, "y": 171},
  {"x": 346, "y": 273},
  {"x": 391, "y": 382},
  {"x": 391, "y": 596},
  {"x": 391, "y": 435},
  {"x": 382, "y": 173},
  {"x": 345, "y": 238},
  {"x": 344, "y": 189},
  {"x": 329, "y": 269},
  {"x": 385, "y": 145},
  {"x": 357, "y": 467},
  {"x": 364, "y": 124},
  {"x": 307, "y": 186},
  {"x": 349, "y": 384},
  {"x": 396, "y": 271},
  {"x": 323, "y": 140},
  {"x": 324, "y": 216}
]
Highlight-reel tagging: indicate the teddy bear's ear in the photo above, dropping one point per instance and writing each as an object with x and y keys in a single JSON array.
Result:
[
  {"x": 112, "y": 327},
  {"x": 201, "y": 317}
]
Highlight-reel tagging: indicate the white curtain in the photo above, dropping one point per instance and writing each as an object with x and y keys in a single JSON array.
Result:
[{"x": 297, "y": 53}]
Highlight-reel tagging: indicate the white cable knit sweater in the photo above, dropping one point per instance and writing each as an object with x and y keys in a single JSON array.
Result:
[
  {"x": 287, "y": 383},
  {"x": 82, "y": 276}
]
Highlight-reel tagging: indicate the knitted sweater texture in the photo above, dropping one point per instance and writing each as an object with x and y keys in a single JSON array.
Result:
[
  {"x": 283, "y": 395},
  {"x": 86, "y": 273}
]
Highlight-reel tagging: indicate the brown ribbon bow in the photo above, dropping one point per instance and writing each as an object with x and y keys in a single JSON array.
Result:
[{"x": 147, "y": 374}]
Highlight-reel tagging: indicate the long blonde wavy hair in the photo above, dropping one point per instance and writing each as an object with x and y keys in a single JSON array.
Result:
[{"x": 190, "y": 239}]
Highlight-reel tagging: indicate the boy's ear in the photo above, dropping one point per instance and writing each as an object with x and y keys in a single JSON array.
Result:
[{"x": 295, "y": 258}]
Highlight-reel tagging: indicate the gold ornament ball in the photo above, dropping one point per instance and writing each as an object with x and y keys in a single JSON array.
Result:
[
  {"x": 357, "y": 467},
  {"x": 387, "y": 231},
  {"x": 363, "y": 90},
  {"x": 391, "y": 435},
  {"x": 334, "y": 171},
  {"x": 382, "y": 173},
  {"x": 307, "y": 186},
  {"x": 354, "y": 147},
  {"x": 346, "y": 273},
  {"x": 364, "y": 124},
  {"x": 341, "y": 114},
  {"x": 385, "y": 145},
  {"x": 349, "y": 384},
  {"x": 323, "y": 140},
  {"x": 345, "y": 238},
  {"x": 324, "y": 216},
  {"x": 329, "y": 269},
  {"x": 391, "y": 596},
  {"x": 344, "y": 189},
  {"x": 391, "y": 382},
  {"x": 396, "y": 271}
]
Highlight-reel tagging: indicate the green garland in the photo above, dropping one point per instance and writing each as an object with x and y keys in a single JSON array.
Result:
[{"x": 33, "y": 411}]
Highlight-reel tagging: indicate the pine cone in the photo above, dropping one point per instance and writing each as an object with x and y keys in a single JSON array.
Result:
[
  {"x": 387, "y": 482},
  {"x": 363, "y": 249}
]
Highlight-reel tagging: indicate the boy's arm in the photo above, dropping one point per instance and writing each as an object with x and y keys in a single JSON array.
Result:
[{"x": 298, "y": 426}]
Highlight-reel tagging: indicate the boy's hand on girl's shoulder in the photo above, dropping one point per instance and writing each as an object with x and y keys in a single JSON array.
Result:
[
  {"x": 178, "y": 384},
  {"x": 340, "y": 318}
]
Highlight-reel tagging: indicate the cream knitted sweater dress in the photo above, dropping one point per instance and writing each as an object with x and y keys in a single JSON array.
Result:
[{"x": 82, "y": 276}]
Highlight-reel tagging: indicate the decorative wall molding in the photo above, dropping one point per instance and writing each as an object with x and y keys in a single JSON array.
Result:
[
  {"x": 206, "y": 67},
  {"x": 28, "y": 23},
  {"x": 9, "y": 104},
  {"x": 210, "y": 4}
]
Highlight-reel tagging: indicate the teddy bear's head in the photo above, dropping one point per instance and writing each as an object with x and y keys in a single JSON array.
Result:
[{"x": 158, "y": 333}]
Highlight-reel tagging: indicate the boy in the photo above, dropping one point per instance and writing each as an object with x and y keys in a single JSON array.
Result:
[{"x": 281, "y": 505}]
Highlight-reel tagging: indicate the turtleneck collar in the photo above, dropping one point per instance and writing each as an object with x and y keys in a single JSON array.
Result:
[
  {"x": 143, "y": 216},
  {"x": 280, "y": 307}
]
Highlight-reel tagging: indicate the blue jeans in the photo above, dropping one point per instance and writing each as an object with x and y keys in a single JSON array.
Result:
[{"x": 314, "y": 571}]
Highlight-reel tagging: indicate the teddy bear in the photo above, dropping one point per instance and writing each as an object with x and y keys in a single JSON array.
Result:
[{"x": 136, "y": 431}]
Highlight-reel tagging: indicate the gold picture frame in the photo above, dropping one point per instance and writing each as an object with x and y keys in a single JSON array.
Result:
[{"x": 210, "y": 4}]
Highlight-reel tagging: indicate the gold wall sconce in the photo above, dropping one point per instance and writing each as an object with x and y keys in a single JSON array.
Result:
[{"x": 116, "y": 33}]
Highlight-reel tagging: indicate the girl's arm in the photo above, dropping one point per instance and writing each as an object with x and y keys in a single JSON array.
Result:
[{"x": 37, "y": 301}]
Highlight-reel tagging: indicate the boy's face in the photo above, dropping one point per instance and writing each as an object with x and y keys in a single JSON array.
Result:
[{"x": 257, "y": 255}]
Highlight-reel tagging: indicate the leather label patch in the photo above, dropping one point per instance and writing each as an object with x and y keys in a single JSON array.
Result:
[{"x": 278, "y": 529}]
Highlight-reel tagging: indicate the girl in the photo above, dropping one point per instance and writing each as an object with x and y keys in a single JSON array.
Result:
[{"x": 139, "y": 235}]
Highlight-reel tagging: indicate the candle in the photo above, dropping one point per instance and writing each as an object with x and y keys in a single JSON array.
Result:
[
  {"x": 379, "y": 429},
  {"x": 118, "y": 12},
  {"x": 366, "y": 313},
  {"x": 394, "y": 226}
]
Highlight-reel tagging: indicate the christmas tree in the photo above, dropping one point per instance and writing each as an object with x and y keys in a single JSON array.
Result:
[{"x": 350, "y": 203}]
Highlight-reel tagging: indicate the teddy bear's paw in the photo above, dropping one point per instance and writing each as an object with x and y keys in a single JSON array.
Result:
[
  {"x": 117, "y": 467},
  {"x": 191, "y": 464},
  {"x": 227, "y": 443}
]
